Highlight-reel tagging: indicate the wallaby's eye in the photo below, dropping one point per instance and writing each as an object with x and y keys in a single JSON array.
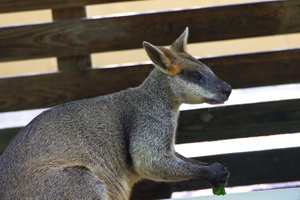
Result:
[
  {"x": 192, "y": 76},
  {"x": 196, "y": 76}
]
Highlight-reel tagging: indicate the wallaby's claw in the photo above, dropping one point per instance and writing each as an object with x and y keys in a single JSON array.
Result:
[{"x": 216, "y": 174}]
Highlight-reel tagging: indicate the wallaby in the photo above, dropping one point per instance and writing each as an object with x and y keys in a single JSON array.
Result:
[{"x": 98, "y": 148}]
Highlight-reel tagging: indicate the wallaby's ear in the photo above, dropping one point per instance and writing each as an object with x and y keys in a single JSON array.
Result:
[
  {"x": 180, "y": 44},
  {"x": 158, "y": 57}
]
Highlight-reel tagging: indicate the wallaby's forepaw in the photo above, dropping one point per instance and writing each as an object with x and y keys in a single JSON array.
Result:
[{"x": 217, "y": 174}]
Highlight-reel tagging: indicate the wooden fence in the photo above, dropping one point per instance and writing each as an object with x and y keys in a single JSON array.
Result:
[{"x": 72, "y": 37}]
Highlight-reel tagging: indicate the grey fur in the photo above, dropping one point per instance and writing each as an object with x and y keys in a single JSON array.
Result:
[{"x": 98, "y": 148}]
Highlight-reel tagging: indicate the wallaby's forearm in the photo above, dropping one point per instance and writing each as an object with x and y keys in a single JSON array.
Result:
[
  {"x": 207, "y": 169},
  {"x": 154, "y": 156},
  {"x": 163, "y": 167},
  {"x": 195, "y": 162},
  {"x": 167, "y": 168}
]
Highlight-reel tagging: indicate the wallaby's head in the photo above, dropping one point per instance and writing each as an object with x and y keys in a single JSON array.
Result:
[{"x": 190, "y": 80}]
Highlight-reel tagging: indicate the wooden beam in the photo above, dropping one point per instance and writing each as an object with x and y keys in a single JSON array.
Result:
[
  {"x": 51, "y": 89},
  {"x": 71, "y": 63},
  {"x": 15, "y": 6},
  {"x": 248, "y": 70},
  {"x": 239, "y": 121},
  {"x": 68, "y": 13},
  {"x": 272, "y": 166},
  {"x": 258, "y": 69},
  {"x": 74, "y": 63},
  {"x": 81, "y": 37}
]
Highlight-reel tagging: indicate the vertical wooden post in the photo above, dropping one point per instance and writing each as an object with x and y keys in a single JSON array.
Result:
[{"x": 71, "y": 63}]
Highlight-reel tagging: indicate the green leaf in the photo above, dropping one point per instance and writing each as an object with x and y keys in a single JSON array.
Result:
[{"x": 219, "y": 190}]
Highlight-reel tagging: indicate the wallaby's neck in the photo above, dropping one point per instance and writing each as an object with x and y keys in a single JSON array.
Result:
[{"x": 157, "y": 88}]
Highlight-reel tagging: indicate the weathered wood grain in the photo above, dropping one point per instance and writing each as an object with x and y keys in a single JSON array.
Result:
[
  {"x": 19, "y": 5},
  {"x": 48, "y": 90},
  {"x": 81, "y": 37},
  {"x": 239, "y": 121},
  {"x": 71, "y": 63},
  {"x": 68, "y": 13},
  {"x": 271, "y": 166},
  {"x": 40, "y": 91},
  {"x": 258, "y": 69}
]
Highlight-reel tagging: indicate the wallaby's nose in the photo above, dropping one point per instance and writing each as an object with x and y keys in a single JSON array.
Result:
[{"x": 226, "y": 90}]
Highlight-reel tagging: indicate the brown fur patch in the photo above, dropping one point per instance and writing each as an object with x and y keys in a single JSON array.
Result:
[{"x": 174, "y": 69}]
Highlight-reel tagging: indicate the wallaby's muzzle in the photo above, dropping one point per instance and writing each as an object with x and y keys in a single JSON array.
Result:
[
  {"x": 220, "y": 94},
  {"x": 226, "y": 90}
]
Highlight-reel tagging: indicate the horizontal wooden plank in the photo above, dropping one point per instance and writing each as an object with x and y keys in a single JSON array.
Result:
[
  {"x": 84, "y": 36},
  {"x": 40, "y": 91},
  {"x": 280, "y": 165},
  {"x": 21, "y": 93},
  {"x": 239, "y": 121},
  {"x": 15, "y": 6},
  {"x": 258, "y": 69}
]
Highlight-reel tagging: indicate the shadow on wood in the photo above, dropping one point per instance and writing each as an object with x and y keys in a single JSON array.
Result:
[{"x": 151, "y": 190}]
